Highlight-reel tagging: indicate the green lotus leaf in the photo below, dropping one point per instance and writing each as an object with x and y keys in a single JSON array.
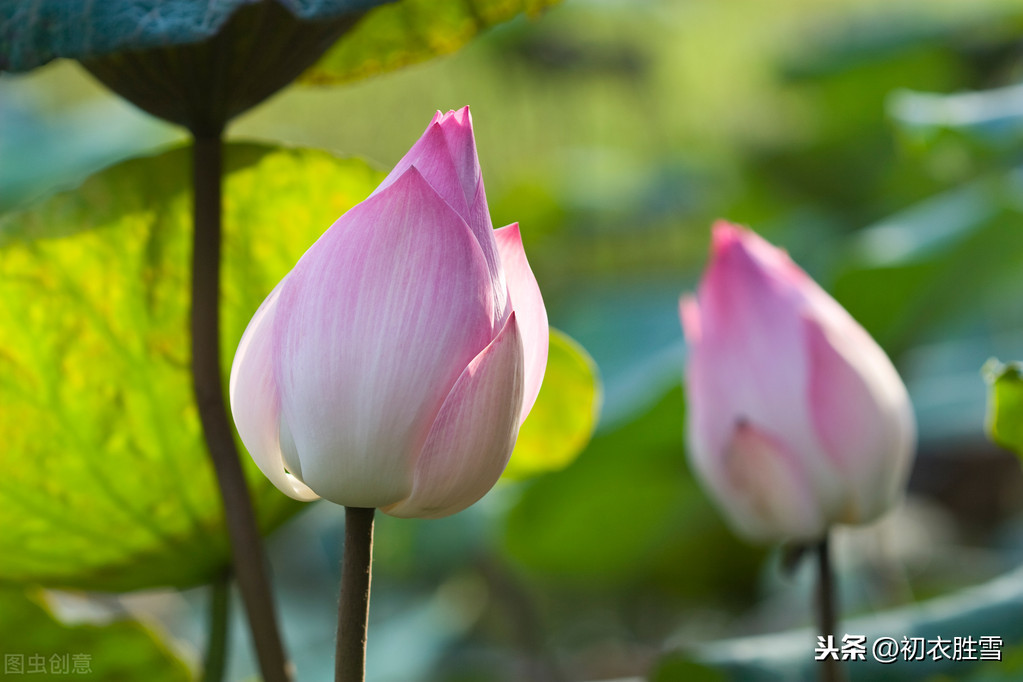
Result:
[
  {"x": 34, "y": 32},
  {"x": 412, "y": 31},
  {"x": 564, "y": 415},
  {"x": 107, "y": 484}
]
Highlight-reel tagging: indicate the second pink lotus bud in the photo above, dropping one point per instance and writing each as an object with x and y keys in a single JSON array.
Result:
[{"x": 797, "y": 419}]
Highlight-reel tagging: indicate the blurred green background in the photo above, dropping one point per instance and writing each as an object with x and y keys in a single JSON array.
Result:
[{"x": 879, "y": 142}]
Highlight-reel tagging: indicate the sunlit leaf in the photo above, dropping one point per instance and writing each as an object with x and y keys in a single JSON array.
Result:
[
  {"x": 35, "y": 32},
  {"x": 412, "y": 31},
  {"x": 35, "y": 645},
  {"x": 1005, "y": 404},
  {"x": 106, "y": 481},
  {"x": 564, "y": 415}
]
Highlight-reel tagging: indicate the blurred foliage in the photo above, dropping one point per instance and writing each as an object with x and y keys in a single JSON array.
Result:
[
  {"x": 1005, "y": 404},
  {"x": 677, "y": 668},
  {"x": 925, "y": 259},
  {"x": 989, "y": 609},
  {"x": 108, "y": 485},
  {"x": 627, "y": 511},
  {"x": 47, "y": 649},
  {"x": 58, "y": 146},
  {"x": 411, "y": 31},
  {"x": 564, "y": 415},
  {"x": 1005, "y": 670},
  {"x": 878, "y": 141}
]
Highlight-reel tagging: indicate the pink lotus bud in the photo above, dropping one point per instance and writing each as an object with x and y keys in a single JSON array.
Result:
[
  {"x": 797, "y": 419},
  {"x": 393, "y": 365}
]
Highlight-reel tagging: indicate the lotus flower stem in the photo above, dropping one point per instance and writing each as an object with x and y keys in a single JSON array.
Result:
[
  {"x": 248, "y": 559},
  {"x": 353, "y": 608},
  {"x": 216, "y": 645},
  {"x": 827, "y": 608}
]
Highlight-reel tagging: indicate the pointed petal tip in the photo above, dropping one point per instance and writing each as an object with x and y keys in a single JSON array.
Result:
[
  {"x": 408, "y": 182},
  {"x": 724, "y": 235},
  {"x": 459, "y": 117},
  {"x": 409, "y": 178},
  {"x": 730, "y": 240},
  {"x": 527, "y": 300},
  {"x": 511, "y": 232}
]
